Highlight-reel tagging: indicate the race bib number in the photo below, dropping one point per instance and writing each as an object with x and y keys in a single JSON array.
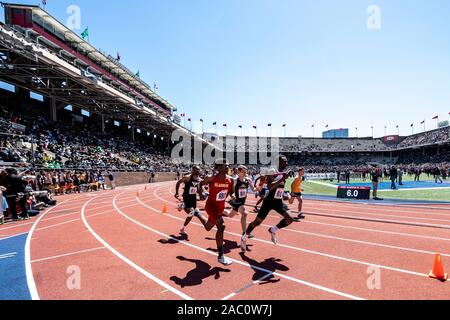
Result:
[
  {"x": 279, "y": 194},
  {"x": 193, "y": 190},
  {"x": 242, "y": 193},
  {"x": 222, "y": 196}
]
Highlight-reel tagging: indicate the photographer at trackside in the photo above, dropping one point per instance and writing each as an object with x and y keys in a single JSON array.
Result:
[{"x": 14, "y": 194}]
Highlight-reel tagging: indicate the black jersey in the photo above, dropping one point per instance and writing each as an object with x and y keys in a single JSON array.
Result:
[
  {"x": 278, "y": 193},
  {"x": 241, "y": 189},
  {"x": 190, "y": 192}
]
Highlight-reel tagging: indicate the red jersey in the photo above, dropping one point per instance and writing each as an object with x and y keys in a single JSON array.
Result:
[{"x": 219, "y": 190}]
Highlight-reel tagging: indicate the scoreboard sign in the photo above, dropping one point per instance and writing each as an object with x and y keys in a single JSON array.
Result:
[{"x": 356, "y": 193}]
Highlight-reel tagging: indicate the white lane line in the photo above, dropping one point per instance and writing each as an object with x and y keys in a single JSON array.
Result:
[
  {"x": 28, "y": 269},
  {"x": 13, "y": 236},
  {"x": 340, "y": 238},
  {"x": 378, "y": 231},
  {"x": 8, "y": 255},
  {"x": 309, "y": 284},
  {"x": 228, "y": 297},
  {"x": 67, "y": 254},
  {"x": 78, "y": 219},
  {"x": 318, "y": 253},
  {"x": 126, "y": 260},
  {"x": 324, "y": 184}
]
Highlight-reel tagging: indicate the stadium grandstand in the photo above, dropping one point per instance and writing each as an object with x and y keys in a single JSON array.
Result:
[{"x": 92, "y": 164}]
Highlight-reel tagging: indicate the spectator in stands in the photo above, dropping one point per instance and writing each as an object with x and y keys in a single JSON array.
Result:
[
  {"x": 15, "y": 187},
  {"x": 393, "y": 173},
  {"x": 4, "y": 206},
  {"x": 101, "y": 181},
  {"x": 111, "y": 180},
  {"x": 376, "y": 175},
  {"x": 400, "y": 176},
  {"x": 438, "y": 175},
  {"x": 347, "y": 176}
]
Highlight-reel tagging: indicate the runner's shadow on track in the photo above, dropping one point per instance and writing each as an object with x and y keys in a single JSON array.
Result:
[
  {"x": 175, "y": 239},
  {"x": 228, "y": 246},
  {"x": 196, "y": 276},
  {"x": 273, "y": 265}
]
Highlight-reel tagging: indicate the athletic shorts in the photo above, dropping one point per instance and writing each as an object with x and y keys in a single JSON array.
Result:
[
  {"x": 215, "y": 212},
  {"x": 297, "y": 195},
  {"x": 190, "y": 202},
  {"x": 268, "y": 205},
  {"x": 237, "y": 205}
]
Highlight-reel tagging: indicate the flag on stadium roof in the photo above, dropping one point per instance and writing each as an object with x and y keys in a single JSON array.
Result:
[
  {"x": 255, "y": 127},
  {"x": 183, "y": 115},
  {"x": 240, "y": 127},
  {"x": 215, "y": 124},
  {"x": 155, "y": 86},
  {"x": 85, "y": 33},
  {"x": 412, "y": 125},
  {"x": 397, "y": 126},
  {"x": 189, "y": 119},
  {"x": 225, "y": 125},
  {"x": 44, "y": 2},
  {"x": 138, "y": 74},
  {"x": 313, "y": 126},
  {"x": 118, "y": 56},
  {"x": 327, "y": 126},
  {"x": 422, "y": 122},
  {"x": 435, "y": 118},
  {"x": 284, "y": 125},
  {"x": 201, "y": 120},
  {"x": 269, "y": 125}
]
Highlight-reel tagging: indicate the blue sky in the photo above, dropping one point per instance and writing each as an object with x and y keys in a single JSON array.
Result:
[{"x": 254, "y": 62}]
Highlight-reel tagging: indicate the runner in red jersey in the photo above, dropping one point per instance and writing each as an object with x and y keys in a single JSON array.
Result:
[{"x": 220, "y": 188}]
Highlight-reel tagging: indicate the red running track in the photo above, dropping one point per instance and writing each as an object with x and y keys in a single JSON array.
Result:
[{"x": 114, "y": 245}]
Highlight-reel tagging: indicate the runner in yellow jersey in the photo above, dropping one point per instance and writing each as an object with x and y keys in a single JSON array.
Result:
[{"x": 296, "y": 192}]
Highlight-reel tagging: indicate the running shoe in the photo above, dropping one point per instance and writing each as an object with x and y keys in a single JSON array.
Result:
[
  {"x": 273, "y": 235},
  {"x": 183, "y": 232},
  {"x": 225, "y": 261}
]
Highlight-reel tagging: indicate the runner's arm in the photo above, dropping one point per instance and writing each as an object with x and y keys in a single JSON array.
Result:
[{"x": 177, "y": 188}]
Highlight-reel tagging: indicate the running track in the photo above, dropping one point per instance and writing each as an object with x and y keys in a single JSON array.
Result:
[{"x": 125, "y": 248}]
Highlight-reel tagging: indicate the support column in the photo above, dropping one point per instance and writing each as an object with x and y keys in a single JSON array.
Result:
[
  {"x": 53, "y": 116},
  {"x": 103, "y": 123}
]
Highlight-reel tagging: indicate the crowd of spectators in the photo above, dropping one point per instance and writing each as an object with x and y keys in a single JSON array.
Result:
[{"x": 441, "y": 135}]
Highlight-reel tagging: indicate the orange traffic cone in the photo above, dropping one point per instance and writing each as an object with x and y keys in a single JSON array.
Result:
[
  {"x": 438, "y": 269},
  {"x": 165, "y": 210}
]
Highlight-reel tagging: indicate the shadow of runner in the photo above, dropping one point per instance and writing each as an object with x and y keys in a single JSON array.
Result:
[
  {"x": 172, "y": 240},
  {"x": 271, "y": 264},
  {"x": 196, "y": 276},
  {"x": 228, "y": 246}
]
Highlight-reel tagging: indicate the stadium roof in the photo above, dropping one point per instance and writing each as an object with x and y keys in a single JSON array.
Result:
[{"x": 103, "y": 62}]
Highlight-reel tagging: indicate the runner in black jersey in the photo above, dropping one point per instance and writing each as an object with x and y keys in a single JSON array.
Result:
[
  {"x": 191, "y": 190},
  {"x": 274, "y": 201},
  {"x": 241, "y": 185}
]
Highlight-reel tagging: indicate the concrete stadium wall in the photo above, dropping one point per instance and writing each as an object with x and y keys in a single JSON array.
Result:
[{"x": 133, "y": 178}]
